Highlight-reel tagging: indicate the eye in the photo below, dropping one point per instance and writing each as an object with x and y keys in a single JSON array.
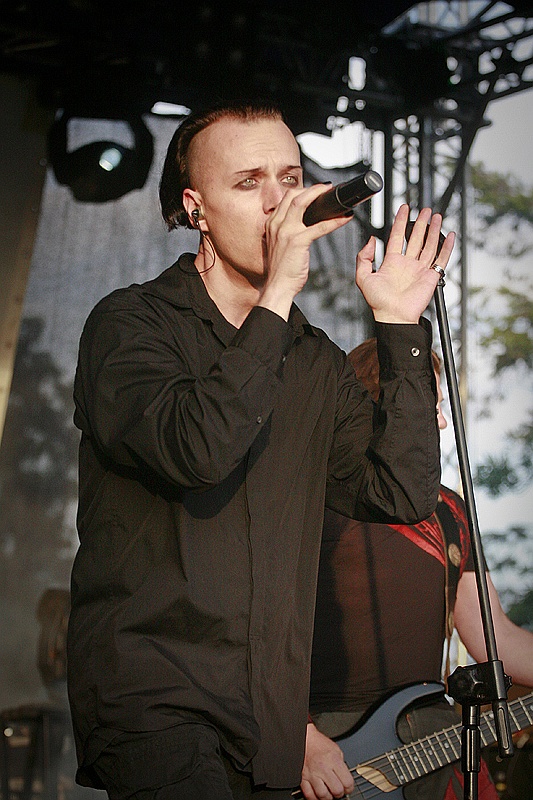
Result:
[
  {"x": 292, "y": 180},
  {"x": 248, "y": 183}
]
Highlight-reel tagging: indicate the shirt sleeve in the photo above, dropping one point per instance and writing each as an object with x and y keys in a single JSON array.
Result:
[
  {"x": 145, "y": 396},
  {"x": 399, "y": 479}
]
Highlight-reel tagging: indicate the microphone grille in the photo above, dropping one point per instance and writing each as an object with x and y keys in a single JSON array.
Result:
[{"x": 374, "y": 181}]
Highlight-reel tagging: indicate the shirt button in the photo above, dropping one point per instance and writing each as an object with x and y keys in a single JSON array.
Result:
[
  {"x": 415, "y": 351},
  {"x": 259, "y": 420},
  {"x": 283, "y": 359}
]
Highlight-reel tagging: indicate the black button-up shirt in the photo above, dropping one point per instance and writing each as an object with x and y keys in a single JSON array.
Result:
[{"x": 206, "y": 457}]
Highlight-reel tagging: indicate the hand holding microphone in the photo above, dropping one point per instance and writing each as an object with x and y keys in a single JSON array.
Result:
[{"x": 339, "y": 200}]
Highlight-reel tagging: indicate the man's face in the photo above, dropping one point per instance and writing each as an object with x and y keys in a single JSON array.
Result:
[{"x": 240, "y": 172}]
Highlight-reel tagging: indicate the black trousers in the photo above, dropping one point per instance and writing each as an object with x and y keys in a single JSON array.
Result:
[{"x": 186, "y": 763}]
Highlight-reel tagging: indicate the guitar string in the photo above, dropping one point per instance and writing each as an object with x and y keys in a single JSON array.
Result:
[
  {"x": 366, "y": 789},
  {"x": 363, "y": 791},
  {"x": 426, "y": 747},
  {"x": 405, "y": 753}
]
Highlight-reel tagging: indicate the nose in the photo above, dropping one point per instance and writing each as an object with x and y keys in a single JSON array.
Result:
[
  {"x": 441, "y": 419},
  {"x": 442, "y": 422},
  {"x": 273, "y": 194}
]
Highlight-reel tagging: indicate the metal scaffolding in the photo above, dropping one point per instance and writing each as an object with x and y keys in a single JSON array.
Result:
[
  {"x": 486, "y": 49},
  {"x": 422, "y": 87}
]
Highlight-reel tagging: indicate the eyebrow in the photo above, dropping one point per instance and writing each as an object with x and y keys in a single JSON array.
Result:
[{"x": 257, "y": 170}]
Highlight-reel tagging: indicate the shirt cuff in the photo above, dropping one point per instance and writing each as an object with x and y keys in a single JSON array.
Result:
[
  {"x": 266, "y": 337},
  {"x": 404, "y": 347}
]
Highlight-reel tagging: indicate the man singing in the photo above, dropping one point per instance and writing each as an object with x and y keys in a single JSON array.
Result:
[{"x": 215, "y": 424}]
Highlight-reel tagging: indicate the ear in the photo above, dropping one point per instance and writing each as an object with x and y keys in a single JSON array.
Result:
[{"x": 193, "y": 200}]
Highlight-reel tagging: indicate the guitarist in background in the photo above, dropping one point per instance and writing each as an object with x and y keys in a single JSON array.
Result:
[{"x": 388, "y": 597}]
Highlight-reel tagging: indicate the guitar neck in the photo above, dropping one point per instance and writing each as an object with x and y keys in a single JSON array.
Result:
[{"x": 411, "y": 761}]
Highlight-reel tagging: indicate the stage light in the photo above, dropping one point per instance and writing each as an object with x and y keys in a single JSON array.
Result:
[
  {"x": 165, "y": 109},
  {"x": 100, "y": 171}
]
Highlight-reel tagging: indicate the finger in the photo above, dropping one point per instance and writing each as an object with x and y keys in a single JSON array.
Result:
[
  {"x": 307, "y": 195},
  {"x": 444, "y": 248},
  {"x": 443, "y": 255},
  {"x": 321, "y": 224},
  {"x": 288, "y": 205},
  {"x": 284, "y": 204},
  {"x": 367, "y": 253},
  {"x": 432, "y": 240},
  {"x": 332, "y": 784},
  {"x": 292, "y": 208},
  {"x": 421, "y": 232},
  {"x": 347, "y": 781},
  {"x": 441, "y": 251},
  {"x": 309, "y": 792},
  {"x": 365, "y": 260},
  {"x": 397, "y": 234}
]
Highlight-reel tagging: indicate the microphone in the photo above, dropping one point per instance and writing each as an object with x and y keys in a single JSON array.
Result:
[{"x": 342, "y": 198}]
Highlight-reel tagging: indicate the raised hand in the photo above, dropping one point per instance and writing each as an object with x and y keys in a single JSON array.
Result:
[
  {"x": 401, "y": 289},
  {"x": 286, "y": 247}
]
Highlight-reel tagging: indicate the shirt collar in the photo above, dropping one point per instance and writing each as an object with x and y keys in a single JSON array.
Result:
[{"x": 182, "y": 286}]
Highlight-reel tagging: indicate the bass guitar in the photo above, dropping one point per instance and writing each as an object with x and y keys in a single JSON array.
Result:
[{"x": 384, "y": 764}]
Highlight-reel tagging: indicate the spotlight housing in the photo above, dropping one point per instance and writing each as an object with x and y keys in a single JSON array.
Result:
[{"x": 101, "y": 170}]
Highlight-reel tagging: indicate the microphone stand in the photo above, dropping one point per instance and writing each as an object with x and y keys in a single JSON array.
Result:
[{"x": 477, "y": 684}]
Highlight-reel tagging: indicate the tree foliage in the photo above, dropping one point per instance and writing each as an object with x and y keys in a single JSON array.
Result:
[
  {"x": 509, "y": 554},
  {"x": 506, "y": 205},
  {"x": 510, "y": 337},
  {"x": 503, "y": 196},
  {"x": 505, "y": 212}
]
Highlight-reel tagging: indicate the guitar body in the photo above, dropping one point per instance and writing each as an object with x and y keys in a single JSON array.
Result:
[
  {"x": 379, "y": 723},
  {"x": 375, "y": 733},
  {"x": 382, "y": 764}
]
